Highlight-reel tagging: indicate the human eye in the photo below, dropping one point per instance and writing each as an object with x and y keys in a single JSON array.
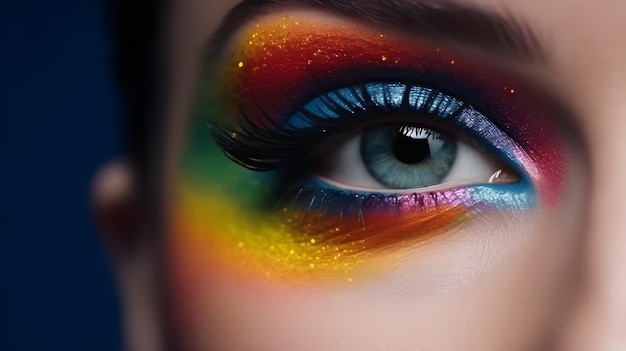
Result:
[
  {"x": 402, "y": 150},
  {"x": 338, "y": 146},
  {"x": 403, "y": 146}
]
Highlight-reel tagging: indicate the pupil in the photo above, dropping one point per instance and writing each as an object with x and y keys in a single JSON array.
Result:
[{"x": 410, "y": 149}]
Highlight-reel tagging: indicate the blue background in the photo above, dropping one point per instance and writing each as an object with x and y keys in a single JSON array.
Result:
[{"x": 59, "y": 121}]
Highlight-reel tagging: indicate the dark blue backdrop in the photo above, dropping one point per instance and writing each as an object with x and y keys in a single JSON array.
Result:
[{"x": 60, "y": 121}]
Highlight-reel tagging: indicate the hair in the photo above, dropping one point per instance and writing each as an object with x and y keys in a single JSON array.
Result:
[{"x": 138, "y": 29}]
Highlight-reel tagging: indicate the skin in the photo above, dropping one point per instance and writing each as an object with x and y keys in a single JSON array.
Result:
[{"x": 551, "y": 279}]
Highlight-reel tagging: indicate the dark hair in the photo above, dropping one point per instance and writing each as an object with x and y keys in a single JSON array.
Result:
[{"x": 138, "y": 29}]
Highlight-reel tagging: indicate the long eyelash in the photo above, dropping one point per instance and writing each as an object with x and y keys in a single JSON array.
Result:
[{"x": 268, "y": 145}]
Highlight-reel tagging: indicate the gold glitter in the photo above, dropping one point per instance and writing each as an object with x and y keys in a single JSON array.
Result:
[
  {"x": 381, "y": 36},
  {"x": 452, "y": 62},
  {"x": 285, "y": 244},
  {"x": 512, "y": 91}
]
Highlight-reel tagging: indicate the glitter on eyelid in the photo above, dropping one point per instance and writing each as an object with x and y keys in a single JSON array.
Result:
[{"x": 332, "y": 53}]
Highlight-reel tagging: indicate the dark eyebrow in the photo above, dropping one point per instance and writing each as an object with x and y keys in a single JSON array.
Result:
[{"x": 450, "y": 22}]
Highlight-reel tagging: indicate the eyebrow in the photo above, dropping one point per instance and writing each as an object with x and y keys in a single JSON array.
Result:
[{"x": 454, "y": 23}]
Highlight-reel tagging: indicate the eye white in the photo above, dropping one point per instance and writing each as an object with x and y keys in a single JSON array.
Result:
[{"x": 341, "y": 165}]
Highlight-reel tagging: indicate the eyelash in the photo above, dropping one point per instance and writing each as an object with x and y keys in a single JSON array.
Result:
[{"x": 268, "y": 145}]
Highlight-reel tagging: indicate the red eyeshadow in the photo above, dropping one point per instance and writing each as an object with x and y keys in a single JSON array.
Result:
[{"x": 283, "y": 62}]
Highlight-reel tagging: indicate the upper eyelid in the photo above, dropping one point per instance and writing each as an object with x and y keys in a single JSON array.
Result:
[
  {"x": 531, "y": 68},
  {"x": 456, "y": 24}
]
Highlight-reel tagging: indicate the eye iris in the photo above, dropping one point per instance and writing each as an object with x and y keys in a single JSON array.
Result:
[{"x": 403, "y": 157}]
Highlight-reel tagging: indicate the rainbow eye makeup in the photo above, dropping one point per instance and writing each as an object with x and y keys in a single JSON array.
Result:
[{"x": 333, "y": 149}]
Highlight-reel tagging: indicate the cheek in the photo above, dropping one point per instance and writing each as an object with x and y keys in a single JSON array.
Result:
[{"x": 492, "y": 283}]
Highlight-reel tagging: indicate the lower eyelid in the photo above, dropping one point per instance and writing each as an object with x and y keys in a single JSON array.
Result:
[{"x": 330, "y": 198}]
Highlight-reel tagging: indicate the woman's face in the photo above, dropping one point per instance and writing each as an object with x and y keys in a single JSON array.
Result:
[{"x": 397, "y": 175}]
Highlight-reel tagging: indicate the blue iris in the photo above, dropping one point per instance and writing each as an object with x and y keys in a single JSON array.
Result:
[{"x": 403, "y": 157}]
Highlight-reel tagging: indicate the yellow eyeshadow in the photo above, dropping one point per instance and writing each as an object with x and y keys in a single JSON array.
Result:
[{"x": 296, "y": 246}]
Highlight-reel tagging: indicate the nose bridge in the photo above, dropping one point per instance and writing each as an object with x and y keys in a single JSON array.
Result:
[
  {"x": 605, "y": 127},
  {"x": 599, "y": 318}
]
